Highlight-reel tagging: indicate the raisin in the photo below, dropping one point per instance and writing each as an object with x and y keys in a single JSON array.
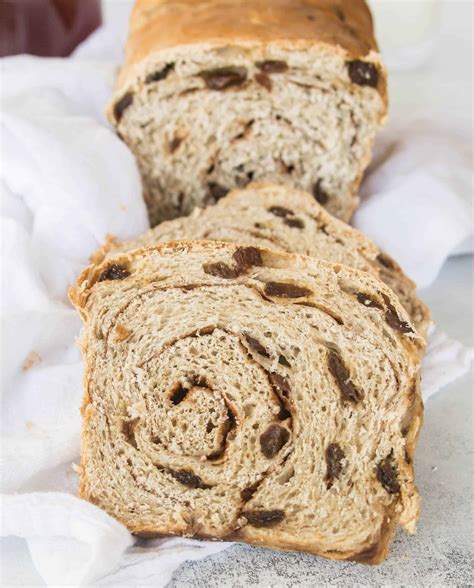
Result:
[
  {"x": 215, "y": 455},
  {"x": 159, "y": 75},
  {"x": 264, "y": 81},
  {"x": 264, "y": 518},
  {"x": 386, "y": 261},
  {"x": 274, "y": 438},
  {"x": 319, "y": 193},
  {"x": 210, "y": 426},
  {"x": 393, "y": 320},
  {"x": 231, "y": 422},
  {"x": 334, "y": 456},
  {"x": 285, "y": 290},
  {"x": 363, "y": 73},
  {"x": 281, "y": 211},
  {"x": 296, "y": 223},
  {"x": 387, "y": 475},
  {"x": 271, "y": 66},
  {"x": 368, "y": 301},
  {"x": 284, "y": 413},
  {"x": 188, "y": 479},
  {"x": 114, "y": 272},
  {"x": 341, "y": 374},
  {"x": 217, "y": 191},
  {"x": 178, "y": 395},
  {"x": 256, "y": 346},
  {"x": 228, "y": 433},
  {"x": 220, "y": 270},
  {"x": 174, "y": 144},
  {"x": 279, "y": 384},
  {"x": 247, "y": 493},
  {"x": 224, "y": 77},
  {"x": 122, "y": 105},
  {"x": 247, "y": 257},
  {"x": 283, "y": 361}
]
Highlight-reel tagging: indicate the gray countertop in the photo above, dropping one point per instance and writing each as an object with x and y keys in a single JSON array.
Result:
[{"x": 441, "y": 552}]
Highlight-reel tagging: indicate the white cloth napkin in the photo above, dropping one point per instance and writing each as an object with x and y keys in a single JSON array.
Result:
[
  {"x": 417, "y": 196},
  {"x": 66, "y": 182}
]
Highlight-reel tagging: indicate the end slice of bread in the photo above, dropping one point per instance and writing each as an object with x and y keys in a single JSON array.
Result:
[{"x": 239, "y": 393}]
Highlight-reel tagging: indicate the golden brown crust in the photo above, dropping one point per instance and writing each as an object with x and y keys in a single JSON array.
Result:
[
  {"x": 162, "y": 24},
  {"x": 342, "y": 26},
  {"x": 375, "y": 553},
  {"x": 378, "y": 550}
]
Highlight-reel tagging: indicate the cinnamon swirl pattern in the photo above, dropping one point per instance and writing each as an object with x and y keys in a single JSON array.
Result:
[{"x": 237, "y": 393}]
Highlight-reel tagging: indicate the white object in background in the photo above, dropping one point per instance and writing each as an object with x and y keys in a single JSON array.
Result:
[
  {"x": 417, "y": 195},
  {"x": 406, "y": 30},
  {"x": 445, "y": 361},
  {"x": 71, "y": 542}
]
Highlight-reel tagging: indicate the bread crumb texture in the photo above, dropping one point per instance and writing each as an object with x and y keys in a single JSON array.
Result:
[{"x": 255, "y": 398}]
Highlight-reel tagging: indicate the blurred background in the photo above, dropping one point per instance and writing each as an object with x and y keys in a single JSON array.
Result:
[{"x": 409, "y": 28}]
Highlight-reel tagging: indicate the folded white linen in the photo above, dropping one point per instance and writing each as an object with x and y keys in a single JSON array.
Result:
[{"x": 417, "y": 196}]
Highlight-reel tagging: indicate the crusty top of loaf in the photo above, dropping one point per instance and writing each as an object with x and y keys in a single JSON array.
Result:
[{"x": 157, "y": 25}]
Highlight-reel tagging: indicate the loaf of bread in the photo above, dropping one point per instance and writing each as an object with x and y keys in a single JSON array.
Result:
[
  {"x": 216, "y": 93},
  {"x": 244, "y": 394},
  {"x": 289, "y": 220}
]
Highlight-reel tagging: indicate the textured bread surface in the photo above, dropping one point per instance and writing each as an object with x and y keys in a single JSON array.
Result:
[
  {"x": 216, "y": 93},
  {"x": 289, "y": 220},
  {"x": 239, "y": 393}
]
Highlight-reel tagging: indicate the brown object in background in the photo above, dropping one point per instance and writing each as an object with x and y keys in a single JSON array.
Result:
[{"x": 50, "y": 28}]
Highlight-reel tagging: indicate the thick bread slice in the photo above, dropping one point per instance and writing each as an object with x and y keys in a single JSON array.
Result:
[
  {"x": 215, "y": 93},
  {"x": 240, "y": 393},
  {"x": 289, "y": 220}
]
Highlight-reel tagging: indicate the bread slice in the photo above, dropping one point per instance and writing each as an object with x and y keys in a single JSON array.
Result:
[
  {"x": 288, "y": 220},
  {"x": 215, "y": 94},
  {"x": 239, "y": 393}
]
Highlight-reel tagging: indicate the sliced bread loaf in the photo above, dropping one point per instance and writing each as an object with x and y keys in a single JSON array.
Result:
[
  {"x": 288, "y": 220},
  {"x": 215, "y": 93},
  {"x": 239, "y": 393}
]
